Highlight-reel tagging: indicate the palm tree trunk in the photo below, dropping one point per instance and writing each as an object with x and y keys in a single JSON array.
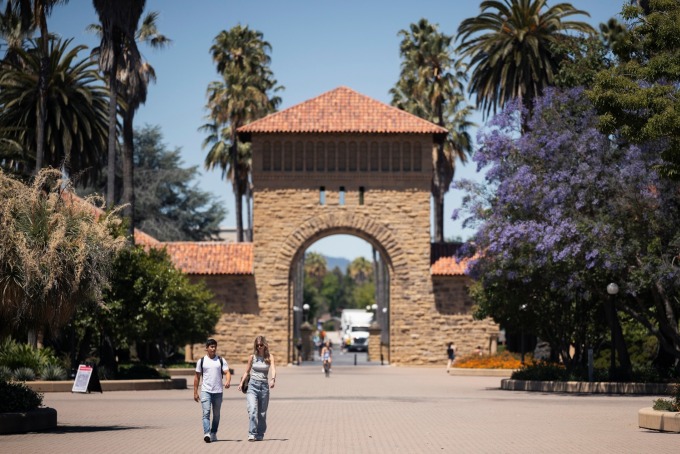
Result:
[
  {"x": 42, "y": 94},
  {"x": 111, "y": 163},
  {"x": 438, "y": 194},
  {"x": 128, "y": 172},
  {"x": 237, "y": 189},
  {"x": 249, "y": 199}
]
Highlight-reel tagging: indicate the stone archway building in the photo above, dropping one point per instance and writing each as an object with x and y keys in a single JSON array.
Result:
[
  {"x": 345, "y": 163},
  {"x": 340, "y": 163}
]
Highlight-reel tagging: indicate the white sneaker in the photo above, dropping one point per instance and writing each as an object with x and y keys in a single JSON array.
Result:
[
  {"x": 251, "y": 437},
  {"x": 206, "y": 437},
  {"x": 213, "y": 437}
]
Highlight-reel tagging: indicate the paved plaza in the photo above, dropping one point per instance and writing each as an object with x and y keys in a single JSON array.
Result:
[{"x": 359, "y": 409}]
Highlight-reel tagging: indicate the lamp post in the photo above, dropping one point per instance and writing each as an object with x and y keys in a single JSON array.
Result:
[
  {"x": 522, "y": 309},
  {"x": 305, "y": 310},
  {"x": 612, "y": 289}
]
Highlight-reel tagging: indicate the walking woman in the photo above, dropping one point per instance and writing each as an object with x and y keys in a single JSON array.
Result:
[{"x": 260, "y": 363}]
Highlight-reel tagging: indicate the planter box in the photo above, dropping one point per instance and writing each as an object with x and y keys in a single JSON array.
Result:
[
  {"x": 28, "y": 421},
  {"x": 580, "y": 387},
  {"x": 663, "y": 421},
  {"x": 111, "y": 385}
]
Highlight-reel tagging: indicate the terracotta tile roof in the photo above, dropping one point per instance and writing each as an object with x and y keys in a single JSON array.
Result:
[
  {"x": 341, "y": 110},
  {"x": 443, "y": 260},
  {"x": 210, "y": 257},
  {"x": 448, "y": 266}
]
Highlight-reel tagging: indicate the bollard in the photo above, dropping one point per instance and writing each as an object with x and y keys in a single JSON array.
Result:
[{"x": 355, "y": 359}]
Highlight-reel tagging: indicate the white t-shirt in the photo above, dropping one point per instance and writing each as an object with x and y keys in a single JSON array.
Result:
[{"x": 212, "y": 376}]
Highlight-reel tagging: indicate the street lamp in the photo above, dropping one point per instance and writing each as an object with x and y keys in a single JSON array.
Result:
[
  {"x": 305, "y": 309},
  {"x": 522, "y": 309},
  {"x": 612, "y": 289}
]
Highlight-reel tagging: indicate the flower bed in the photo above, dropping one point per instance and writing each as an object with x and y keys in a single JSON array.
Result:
[{"x": 504, "y": 360}]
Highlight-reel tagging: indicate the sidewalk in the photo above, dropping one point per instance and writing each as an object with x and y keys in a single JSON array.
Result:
[{"x": 359, "y": 409}]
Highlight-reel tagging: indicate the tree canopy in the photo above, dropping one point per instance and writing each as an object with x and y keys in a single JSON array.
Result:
[
  {"x": 637, "y": 98},
  {"x": 566, "y": 212}
]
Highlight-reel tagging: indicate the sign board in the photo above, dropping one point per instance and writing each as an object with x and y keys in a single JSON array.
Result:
[{"x": 86, "y": 380}]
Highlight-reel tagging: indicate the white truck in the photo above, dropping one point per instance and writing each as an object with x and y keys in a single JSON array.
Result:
[{"x": 354, "y": 324}]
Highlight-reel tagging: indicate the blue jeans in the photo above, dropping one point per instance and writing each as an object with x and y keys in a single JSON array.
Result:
[
  {"x": 257, "y": 399},
  {"x": 208, "y": 400}
]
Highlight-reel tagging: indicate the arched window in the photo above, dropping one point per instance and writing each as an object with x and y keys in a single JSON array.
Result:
[
  {"x": 287, "y": 156},
  {"x": 277, "y": 156},
  {"x": 309, "y": 157},
  {"x": 406, "y": 157},
  {"x": 267, "y": 156},
  {"x": 342, "y": 157},
  {"x": 299, "y": 157},
  {"x": 375, "y": 157},
  {"x": 363, "y": 156},
  {"x": 330, "y": 157},
  {"x": 417, "y": 157},
  {"x": 385, "y": 157},
  {"x": 320, "y": 157},
  {"x": 396, "y": 157}
]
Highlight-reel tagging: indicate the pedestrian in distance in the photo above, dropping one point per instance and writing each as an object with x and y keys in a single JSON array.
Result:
[
  {"x": 451, "y": 354},
  {"x": 260, "y": 364},
  {"x": 211, "y": 370},
  {"x": 327, "y": 357}
]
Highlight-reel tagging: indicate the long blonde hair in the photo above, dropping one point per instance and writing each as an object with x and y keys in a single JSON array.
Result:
[{"x": 262, "y": 340}]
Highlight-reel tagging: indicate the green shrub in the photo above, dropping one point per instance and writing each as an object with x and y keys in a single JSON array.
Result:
[
  {"x": 16, "y": 354},
  {"x": 24, "y": 374},
  {"x": 16, "y": 397},
  {"x": 52, "y": 372},
  {"x": 137, "y": 371},
  {"x": 541, "y": 370},
  {"x": 5, "y": 373},
  {"x": 672, "y": 404}
]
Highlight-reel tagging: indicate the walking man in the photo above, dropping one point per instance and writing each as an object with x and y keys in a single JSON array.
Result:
[{"x": 212, "y": 369}]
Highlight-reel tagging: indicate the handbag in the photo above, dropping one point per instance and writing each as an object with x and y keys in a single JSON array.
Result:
[{"x": 244, "y": 388}]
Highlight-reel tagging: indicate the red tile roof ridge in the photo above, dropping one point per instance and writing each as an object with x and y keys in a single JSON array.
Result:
[{"x": 318, "y": 117}]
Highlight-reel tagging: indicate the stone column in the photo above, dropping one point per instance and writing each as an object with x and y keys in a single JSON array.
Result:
[
  {"x": 493, "y": 344},
  {"x": 189, "y": 353},
  {"x": 374, "y": 342},
  {"x": 306, "y": 335}
]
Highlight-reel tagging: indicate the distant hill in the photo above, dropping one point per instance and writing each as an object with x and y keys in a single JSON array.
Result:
[{"x": 332, "y": 262}]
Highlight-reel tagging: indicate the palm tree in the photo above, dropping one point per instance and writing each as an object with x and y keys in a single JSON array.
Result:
[
  {"x": 431, "y": 87},
  {"x": 134, "y": 75},
  {"x": 316, "y": 267},
  {"x": 75, "y": 108},
  {"x": 241, "y": 56},
  {"x": 118, "y": 54},
  {"x": 34, "y": 14},
  {"x": 509, "y": 46},
  {"x": 13, "y": 31}
]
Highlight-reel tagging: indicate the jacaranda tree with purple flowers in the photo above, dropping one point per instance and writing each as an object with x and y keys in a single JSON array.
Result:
[{"x": 565, "y": 212}]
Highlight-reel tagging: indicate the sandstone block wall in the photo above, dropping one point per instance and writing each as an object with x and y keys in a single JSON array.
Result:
[{"x": 383, "y": 198}]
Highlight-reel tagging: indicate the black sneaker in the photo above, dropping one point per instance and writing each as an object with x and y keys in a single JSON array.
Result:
[{"x": 206, "y": 438}]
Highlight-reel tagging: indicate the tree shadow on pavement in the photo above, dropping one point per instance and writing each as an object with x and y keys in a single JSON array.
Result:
[{"x": 86, "y": 429}]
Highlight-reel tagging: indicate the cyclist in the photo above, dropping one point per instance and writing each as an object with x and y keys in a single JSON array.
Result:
[{"x": 327, "y": 355}]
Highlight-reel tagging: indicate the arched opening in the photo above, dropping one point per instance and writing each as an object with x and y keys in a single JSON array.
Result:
[{"x": 339, "y": 287}]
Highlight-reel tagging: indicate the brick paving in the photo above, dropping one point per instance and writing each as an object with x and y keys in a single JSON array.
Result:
[{"x": 359, "y": 409}]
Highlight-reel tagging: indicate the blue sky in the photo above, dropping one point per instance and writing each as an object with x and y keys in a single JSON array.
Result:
[{"x": 317, "y": 46}]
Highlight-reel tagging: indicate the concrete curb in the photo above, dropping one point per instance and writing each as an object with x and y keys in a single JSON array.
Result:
[
  {"x": 111, "y": 385},
  {"x": 28, "y": 421},
  {"x": 481, "y": 372},
  {"x": 577, "y": 387},
  {"x": 663, "y": 421}
]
